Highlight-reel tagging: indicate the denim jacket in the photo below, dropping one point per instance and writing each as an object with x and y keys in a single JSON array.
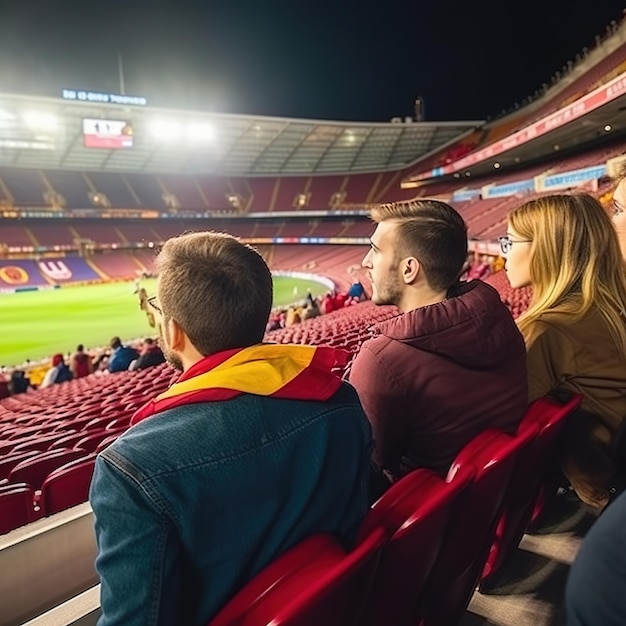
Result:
[{"x": 191, "y": 503}]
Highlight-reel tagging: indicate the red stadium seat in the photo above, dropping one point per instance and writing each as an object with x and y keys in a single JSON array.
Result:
[
  {"x": 39, "y": 442},
  {"x": 67, "y": 485},
  {"x": 314, "y": 584},
  {"x": 489, "y": 458},
  {"x": 548, "y": 487},
  {"x": 92, "y": 441},
  {"x": 16, "y": 507},
  {"x": 34, "y": 470},
  {"x": 119, "y": 422},
  {"x": 22, "y": 433},
  {"x": 97, "y": 422},
  {"x": 67, "y": 441},
  {"x": 79, "y": 423},
  {"x": 539, "y": 429},
  {"x": 414, "y": 512},
  {"x": 6, "y": 446},
  {"x": 8, "y": 462},
  {"x": 113, "y": 435}
]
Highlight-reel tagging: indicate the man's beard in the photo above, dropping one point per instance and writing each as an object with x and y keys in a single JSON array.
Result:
[
  {"x": 172, "y": 358},
  {"x": 390, "y": 292}
]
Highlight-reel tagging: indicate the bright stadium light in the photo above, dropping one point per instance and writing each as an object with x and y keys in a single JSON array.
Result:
[
  {"x": 199, "y": 131},
  {"x": 39, "y": 120},
  {"x": 166, "y": 129},
  {"x": 6, "y": 119}
]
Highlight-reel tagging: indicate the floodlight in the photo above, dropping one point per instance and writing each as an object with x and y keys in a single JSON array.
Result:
[
  {"x": 166, "y": 129},
  {"x": 199, "y": 131},
  {"x": 40, "y": 120}
]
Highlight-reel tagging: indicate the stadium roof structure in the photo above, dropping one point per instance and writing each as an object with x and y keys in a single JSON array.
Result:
[{"x": 109, "y": 132}]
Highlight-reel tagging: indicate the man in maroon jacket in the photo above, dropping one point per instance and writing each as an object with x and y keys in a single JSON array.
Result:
[{"x": 452, "y": 364}]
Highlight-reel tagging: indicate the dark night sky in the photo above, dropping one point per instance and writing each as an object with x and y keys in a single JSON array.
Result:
[{"x": 329, "y": 59}]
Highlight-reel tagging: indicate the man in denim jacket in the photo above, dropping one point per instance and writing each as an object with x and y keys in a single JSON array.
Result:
[{"x": 254, "y": 448}]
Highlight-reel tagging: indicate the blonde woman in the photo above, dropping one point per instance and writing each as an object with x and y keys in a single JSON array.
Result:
[
  {"x": 566, "y": 248},
  {"x": 618, "y": 209}
]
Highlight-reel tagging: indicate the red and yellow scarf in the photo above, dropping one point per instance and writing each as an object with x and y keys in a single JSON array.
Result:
[{"x": 295, "y": 372}]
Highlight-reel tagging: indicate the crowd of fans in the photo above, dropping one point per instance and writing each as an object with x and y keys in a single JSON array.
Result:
[
  {"x": 268, "y": 428},
  {"x": 117, "y": 357},
  {"x": 313, "y": 307}
]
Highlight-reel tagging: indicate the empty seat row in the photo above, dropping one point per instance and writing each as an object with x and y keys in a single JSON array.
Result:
[{"x": 62, "y": 488}]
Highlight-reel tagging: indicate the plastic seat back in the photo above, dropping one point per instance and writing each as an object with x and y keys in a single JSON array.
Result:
[
  {"x": 111, "y": 437},
  {"x": 16, "y": 507},
  {"x": 91, "y": 441},
  {"x": 34, "y": 470},
  {"x": 8, "y": 462},
  {"x": 315, "y": 583},
  {"x": 538, "y": 431},
  {"x": 415, "y": 512},
  {"x": 68, "y": 485},
  {"x": 38, "y": 442},
  {"x": 67, "y": 441},
  {"x": 489, "y": 458}
]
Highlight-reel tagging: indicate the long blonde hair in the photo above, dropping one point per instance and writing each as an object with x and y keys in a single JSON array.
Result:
[{"x": 575, "y": 262}]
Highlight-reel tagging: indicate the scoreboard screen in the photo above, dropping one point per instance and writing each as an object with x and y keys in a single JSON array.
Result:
[{"x": 107, "y": 134}]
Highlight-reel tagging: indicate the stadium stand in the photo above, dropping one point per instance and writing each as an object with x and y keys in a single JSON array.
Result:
[{"x": 48, "y": 438}]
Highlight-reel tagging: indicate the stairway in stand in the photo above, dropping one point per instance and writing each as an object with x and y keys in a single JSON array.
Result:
[{"x": 531, "y": 589}]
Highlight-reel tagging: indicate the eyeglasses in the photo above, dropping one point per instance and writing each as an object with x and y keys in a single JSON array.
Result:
[
  {"x": 617, "y": 208},
  {"x": 152, "y": 301},
  {"x": 506, "y": 243}
]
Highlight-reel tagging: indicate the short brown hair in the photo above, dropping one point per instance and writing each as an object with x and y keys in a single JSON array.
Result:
[
  {"x": 216, "y": 288},
  {"x": 434, "y": 233}
]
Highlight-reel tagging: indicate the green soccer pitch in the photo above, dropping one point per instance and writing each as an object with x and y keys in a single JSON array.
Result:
[{"x": 37, "y": 324}]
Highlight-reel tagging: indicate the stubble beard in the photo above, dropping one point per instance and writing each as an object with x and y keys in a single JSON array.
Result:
[
  {"x": 390, "y": 292},
  {"x": 171, "y": 357}
]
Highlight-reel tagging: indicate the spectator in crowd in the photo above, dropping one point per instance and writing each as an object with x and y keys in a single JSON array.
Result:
[
  {"x": 149, "y": 356},
  {"x": 293, "y": 316},
  {"x": 311, "y": 310},
  {"x": 121, "y": 356},
  {"x": 618, "y": 209},
  {"x": 143, "y": 305},
  {"x": 19, "y": 382},
  {"x": 274, "y": 321},
  {"x": 100, "y": 363},
  {"x": 356, "y": 291},
  {"x": 327, "y": 303},
  {"x": 5, "y": 378},
  {"x": 143, "y": 298},
  {"x": 58, "y": 373},
  {"x": 594, "y": 594},
  {"x": 565, "y": 247},
  {"x": 80, "y": 362},
  {"x": 254, "y": 448},
  {"x": 451, "y": 364},
  {"x": 340, "y": 300}
]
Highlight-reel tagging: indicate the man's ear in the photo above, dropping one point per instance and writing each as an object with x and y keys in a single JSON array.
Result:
[
  {"x": 177, "y": 336},
  {"x": 410, "y": 270}
]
